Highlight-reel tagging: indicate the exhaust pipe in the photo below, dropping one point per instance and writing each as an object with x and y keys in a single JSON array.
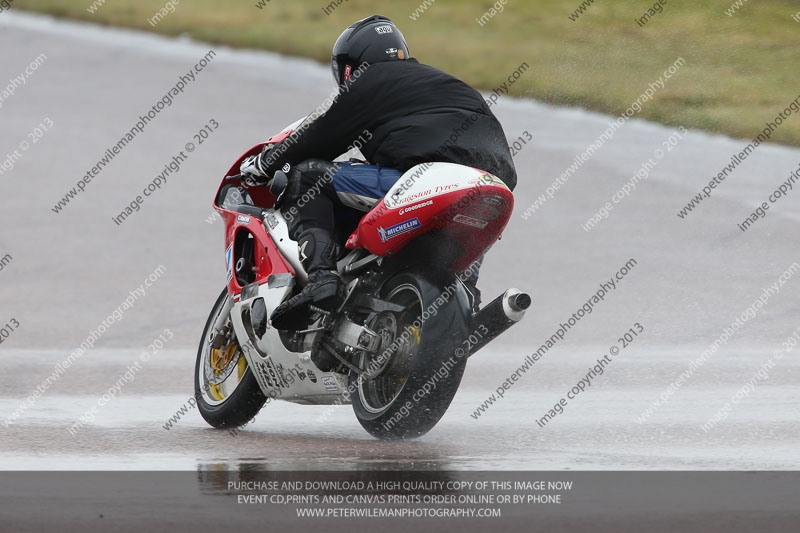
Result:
[{"x": 499, "y": 315}]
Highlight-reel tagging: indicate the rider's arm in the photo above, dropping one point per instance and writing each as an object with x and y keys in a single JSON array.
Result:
[{"x": 331, "y": 133}]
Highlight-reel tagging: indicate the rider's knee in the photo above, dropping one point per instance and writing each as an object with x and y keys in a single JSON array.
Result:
[
  {"x": 308, "y": 178},
  {"x": 312, "y": 171}
]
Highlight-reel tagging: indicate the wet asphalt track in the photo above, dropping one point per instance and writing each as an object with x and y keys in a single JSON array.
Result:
[{"x": 68, "y": 271}]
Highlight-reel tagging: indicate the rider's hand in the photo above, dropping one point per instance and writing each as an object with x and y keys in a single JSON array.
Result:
[
  {"x": 252, "y": 171},
  {"x": 255, "y": 168}
]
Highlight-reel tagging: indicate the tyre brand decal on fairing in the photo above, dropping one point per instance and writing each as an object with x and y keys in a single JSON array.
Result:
[
  {"x": 398, "y": 229},
  {"x": 401, "y": 199},
  {"x": 271, "y": 375},
  {"x": 330, "y": 383},
  {"x": 414, "y": 207},
  {"x": 469, "y": 221},
  {"x": 243, "y": 219}
]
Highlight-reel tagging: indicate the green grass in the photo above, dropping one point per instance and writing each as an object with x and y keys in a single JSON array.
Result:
[{"x": 739, "y": 71}]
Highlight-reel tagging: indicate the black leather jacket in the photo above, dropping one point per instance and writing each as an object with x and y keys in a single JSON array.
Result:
[{"x": 414, "y": 114}]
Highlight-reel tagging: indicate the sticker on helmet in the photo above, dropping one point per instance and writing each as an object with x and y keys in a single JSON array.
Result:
[
  {"x": 382, "y": 30},
  {"x": 401, "y": 54},
  {"x": 347, "y": 70}
]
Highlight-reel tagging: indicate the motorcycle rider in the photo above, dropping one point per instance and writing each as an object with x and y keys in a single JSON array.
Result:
[{"x": 405, "y": 113}]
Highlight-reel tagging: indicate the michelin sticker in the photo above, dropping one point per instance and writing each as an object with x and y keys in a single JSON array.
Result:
[{"x": 398, "y": 229}]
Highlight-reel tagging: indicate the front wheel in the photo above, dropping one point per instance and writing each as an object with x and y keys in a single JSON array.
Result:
[
  {"x": 409, "y": 383},
  {"x": 225, "y": 389}
]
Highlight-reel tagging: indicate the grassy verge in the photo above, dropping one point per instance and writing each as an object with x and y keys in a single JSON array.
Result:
[{"x": 740, "y": 70}]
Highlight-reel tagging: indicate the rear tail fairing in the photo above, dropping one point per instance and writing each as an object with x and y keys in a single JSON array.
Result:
[{"x": 466, "y": 208}]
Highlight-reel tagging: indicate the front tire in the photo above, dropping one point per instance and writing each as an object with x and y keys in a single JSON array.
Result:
[
  {"x": 405, "y": 395},
  {"x": 225, "y": 389}
]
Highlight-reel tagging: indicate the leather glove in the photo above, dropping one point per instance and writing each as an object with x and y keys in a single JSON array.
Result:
[
  {"x": 252, "y": 171},
  {"x": 255, "y": 169}
]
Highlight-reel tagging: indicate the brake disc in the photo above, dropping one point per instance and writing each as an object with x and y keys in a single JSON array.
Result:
[
  {"x": 221, "y": 362},
  {"x": 394, "y": 352}
]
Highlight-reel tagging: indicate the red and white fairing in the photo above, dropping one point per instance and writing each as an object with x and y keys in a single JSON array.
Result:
[{"x": 466, "y": 206}]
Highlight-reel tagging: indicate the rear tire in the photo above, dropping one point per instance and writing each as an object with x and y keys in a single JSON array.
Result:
[
  {"x": 235, "y": 398},
  {"x": 407, "y": 397}
]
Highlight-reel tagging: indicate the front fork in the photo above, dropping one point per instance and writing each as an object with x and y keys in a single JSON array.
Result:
[{"x": 219, "y": 333}]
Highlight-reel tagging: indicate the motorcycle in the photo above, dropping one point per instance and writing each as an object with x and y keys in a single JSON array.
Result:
[{"x": 397, "y": 346}]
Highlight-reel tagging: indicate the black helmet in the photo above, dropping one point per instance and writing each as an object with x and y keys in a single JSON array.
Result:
[{"x": 370, "y": 40}]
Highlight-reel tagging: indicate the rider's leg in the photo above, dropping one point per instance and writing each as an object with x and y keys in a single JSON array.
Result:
[
  {"x": 315, "y": 188},
  {"x": 361, "y": 186},
  {"x": 308, "y": 206}
]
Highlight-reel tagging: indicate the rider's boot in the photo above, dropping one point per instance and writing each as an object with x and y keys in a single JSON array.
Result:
[{"x": 323, "y": 292}]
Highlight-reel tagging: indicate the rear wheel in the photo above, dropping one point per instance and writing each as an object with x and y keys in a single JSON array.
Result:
[
  {"x": 225, "y": 389},
  {"x": 409, "y": 383}
]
